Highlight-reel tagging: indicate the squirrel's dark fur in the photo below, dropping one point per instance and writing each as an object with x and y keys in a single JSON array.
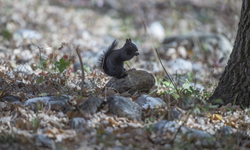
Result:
[{"x": 113, "y": 59}]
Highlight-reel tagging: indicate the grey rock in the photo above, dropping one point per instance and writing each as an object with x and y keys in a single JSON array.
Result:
[
  {"x": 174, "y": 114},
  {"x": 84, "y": 34},
  {"x": 53, "y": 102},
  {"x": 77, "y": 123},
  {"x": 201, "y": 120},
  {"x": 11, "y": 98},
  {"x": 25, "y": 69},
  {"x": 195, "y": 133},
  {"x": 150, "y": 65},
  {"x": 157, "y": 30},
  {"x": 25, "y": 55},
  {"x": 91, "y": 105},
  {"x": 224, "y": 131},
  {"x": 124, "y": 107},
  {"x": 118, "y": 148},
  {"x": 163, "y": 126},
  {"x": 197, "y": 67},
  {"x": 28, "y": 34},
  {"x": 170, "y": 54},
  {"x": 167, "y": 146},
  {"x": 203, "y": 138},
  {"x": 23, "y": 34},
  {"x": 198, "y": 86},
  {"x": 44, "y": 140},
  {"x": 146, "y": 101},
  {"x": 179, "y": 65},
  {"x": 4, "y": 51},
  {"x": 182, "y": 52},
  {"x": 136, "y": 80}
]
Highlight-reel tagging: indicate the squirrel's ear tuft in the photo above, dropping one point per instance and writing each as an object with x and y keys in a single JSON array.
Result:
[{"x": 128, "y": 41}]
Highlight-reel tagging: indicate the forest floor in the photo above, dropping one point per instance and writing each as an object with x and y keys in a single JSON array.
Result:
[{"x": 42, "y": 103}]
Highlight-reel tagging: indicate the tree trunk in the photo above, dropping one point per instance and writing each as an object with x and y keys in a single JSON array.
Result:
[{"x": 234, "y": 83}]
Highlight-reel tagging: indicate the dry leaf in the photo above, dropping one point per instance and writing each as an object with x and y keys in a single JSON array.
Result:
[
  {"x": 217, "y": 117},
  {"x": 209, "y": 115}
]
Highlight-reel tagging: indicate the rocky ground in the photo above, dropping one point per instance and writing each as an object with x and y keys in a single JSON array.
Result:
[{"x": 44, "y": 104}]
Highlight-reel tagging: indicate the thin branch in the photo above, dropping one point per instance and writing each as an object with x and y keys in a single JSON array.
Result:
[
  {"x": 175, "y": 86},
  {"x": 83, "y": 75},
  {"x": 179, "y": 128},
  {"x": 154, "y": 49}
]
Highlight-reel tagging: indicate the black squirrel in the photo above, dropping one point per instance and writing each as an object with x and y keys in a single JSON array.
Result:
[{"x": 112, "y": 60}]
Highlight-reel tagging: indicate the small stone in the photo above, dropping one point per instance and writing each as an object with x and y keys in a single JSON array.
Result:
[
  {"x": 146, "y": 101},
  {"x": 197, "y": 67},
  {"x": 182, "y": 52},
  {"x": 194, "y": 133},
  {"x": 77, "y": 123},
  {"x": 44, "y": 140},
  {"x": 28, "y": 34},
  {"x": 157, "y": 30},
  {"x": 179, "y": 65},
  {"x": 58, "y": 103},
  {"x": 171, "y": 54},
  {"x": 224, "y": 131},
  {"x": 11, "y": 98},
  {"x": 151, "y": 66},
  {"x": 163, "y": 126},
  {"x": 91, "y": 105},
  {"x": 174, "y": 114},
  {"x": 25, "y": 69}
]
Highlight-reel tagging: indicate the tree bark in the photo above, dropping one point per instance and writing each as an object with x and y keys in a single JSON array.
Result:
[{"x": 234, "y": 83}]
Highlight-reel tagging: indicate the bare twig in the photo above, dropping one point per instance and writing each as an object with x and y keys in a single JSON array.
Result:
[
  {"x": 154, "y": 49},
  {"x": 179, "y": 128},
  {"x": 142, "y": 21},
  {"x": 145, "y": 29},
  {"x": 175, "y": 86},
  {"x": 83, "y": 75}
]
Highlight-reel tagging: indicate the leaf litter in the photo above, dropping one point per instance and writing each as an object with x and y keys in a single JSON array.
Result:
[{"x": 43, "y": 126}]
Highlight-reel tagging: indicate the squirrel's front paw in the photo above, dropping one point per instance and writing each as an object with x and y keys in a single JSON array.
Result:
[{"x": 123, "y": 75}]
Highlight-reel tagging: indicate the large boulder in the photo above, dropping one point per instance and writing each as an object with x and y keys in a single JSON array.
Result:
[
  {"x": 124, "y": 107},
  {"x": 136, "y": 80}
]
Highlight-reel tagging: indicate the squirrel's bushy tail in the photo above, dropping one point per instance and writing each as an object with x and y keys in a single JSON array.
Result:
[{"x": 104, "y": 56}]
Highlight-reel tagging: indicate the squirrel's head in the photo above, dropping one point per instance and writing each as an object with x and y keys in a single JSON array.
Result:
[{"x": 130, "y": 50}]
